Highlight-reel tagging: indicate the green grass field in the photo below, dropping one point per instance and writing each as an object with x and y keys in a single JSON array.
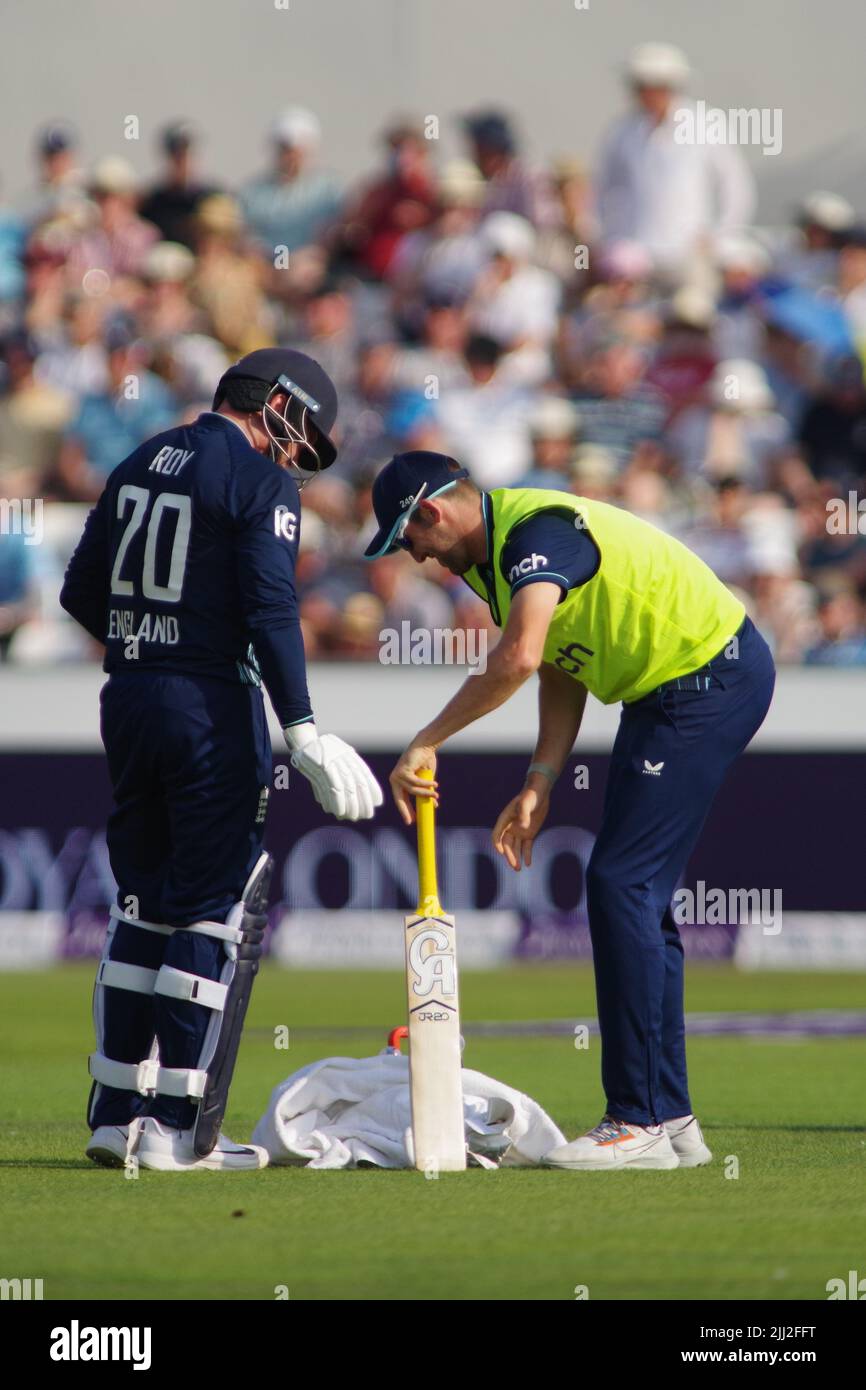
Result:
[{"x": 792, "y": 1112}]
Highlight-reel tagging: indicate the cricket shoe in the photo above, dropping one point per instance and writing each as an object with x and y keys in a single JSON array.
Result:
[
  {"x": 113, "y": 1145},
  {"x": 688, "y": 1141},
  {"x": 171, "y": 1151},
  {"x": 615, "y": 1144}
]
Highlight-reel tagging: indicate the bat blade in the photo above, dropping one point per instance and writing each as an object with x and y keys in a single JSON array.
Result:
[{"x": 434, "y": 1044}]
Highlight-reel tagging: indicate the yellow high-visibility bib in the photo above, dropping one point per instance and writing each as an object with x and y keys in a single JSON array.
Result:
[{"x": 652, "y": 611}]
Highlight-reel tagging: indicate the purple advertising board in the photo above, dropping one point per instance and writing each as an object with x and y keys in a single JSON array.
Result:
[{"x": 782, "y": 821}]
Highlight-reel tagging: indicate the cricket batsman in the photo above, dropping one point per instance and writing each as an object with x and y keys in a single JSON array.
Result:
[
  {"x": 590, "y": 598},
  {"x": 186, "y": 573}
]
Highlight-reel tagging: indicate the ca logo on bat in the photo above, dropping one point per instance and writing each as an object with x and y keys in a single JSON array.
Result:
[{"x": 436, "y": 970}]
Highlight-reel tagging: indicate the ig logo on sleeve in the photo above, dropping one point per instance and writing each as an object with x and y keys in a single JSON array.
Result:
[{"x": 285, "y": 523}]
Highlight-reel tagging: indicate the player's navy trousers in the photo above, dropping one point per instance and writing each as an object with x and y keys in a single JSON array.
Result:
[
  {"x": 190, "y": 764},
  {"x": 671, "y": 754}
]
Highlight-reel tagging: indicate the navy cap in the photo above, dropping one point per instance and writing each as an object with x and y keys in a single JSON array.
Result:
[
  {"x": 492, "y": 130},
  {"x": 119, "y": 333},
  {"x": 400, "y": 488},
  {"x": 57, "y": 137},
  {"x": 177, "y": 136}
]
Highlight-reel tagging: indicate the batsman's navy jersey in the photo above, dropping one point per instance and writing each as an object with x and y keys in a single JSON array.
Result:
[{"x": 187, "y": 564}]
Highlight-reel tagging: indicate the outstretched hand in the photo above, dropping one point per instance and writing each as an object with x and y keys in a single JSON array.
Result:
[{"x": 518, "y": 825}]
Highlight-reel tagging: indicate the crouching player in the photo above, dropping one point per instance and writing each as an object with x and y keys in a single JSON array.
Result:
[
  {"x": 186, "y": 572},
  {"x": 590, "y": 598}
]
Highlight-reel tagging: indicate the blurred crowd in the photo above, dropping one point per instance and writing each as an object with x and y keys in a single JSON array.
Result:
[{"x": 613, "y": 325}]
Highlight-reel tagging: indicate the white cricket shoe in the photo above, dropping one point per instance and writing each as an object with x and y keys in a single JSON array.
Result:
[
  {"x": 688, "y": 1141},
  {"x": 112, "y": 1145},
  {"x": 171, "y": 1151},
  {"x": 615, "y": 1144}
]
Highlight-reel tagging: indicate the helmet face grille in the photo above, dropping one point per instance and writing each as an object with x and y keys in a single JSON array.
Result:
[{"x": 291, "y": 426}]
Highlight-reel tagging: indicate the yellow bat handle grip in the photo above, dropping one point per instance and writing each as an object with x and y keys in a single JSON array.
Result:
[{"x": 425, "y": 816}]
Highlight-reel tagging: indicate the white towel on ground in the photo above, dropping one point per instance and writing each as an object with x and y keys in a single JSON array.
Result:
[{"x": 343, "y": 1111}]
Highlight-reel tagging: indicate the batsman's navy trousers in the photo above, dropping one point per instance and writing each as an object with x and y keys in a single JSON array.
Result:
[
  {"x": 190, "y": 764},
  {"x": 671, "y": 754}
]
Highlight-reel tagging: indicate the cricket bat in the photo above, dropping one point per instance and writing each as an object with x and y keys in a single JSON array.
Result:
[{"x": 434, "y": 1015}]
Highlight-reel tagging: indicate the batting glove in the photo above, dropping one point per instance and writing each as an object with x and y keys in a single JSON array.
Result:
[{"x": 342, "y": 783}]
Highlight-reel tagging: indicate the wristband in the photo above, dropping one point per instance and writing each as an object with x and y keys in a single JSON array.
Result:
[
  {"x": 297, "y": 736},
  {"x": 545, "y": 769}
]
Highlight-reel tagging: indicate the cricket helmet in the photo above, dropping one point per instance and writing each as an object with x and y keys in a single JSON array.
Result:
[{"x": 308, "y": 416}]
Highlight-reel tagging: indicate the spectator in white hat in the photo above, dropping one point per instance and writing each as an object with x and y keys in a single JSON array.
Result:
[
  {"x": 516, "y": 302},
  {"x": 684, "y": 358},
  {"x": 737, "y": 433},
  {"x": 167, "y": 309},
  {"x": 812, "y": 255},
  {"x": 554, "y": 424},
  {"x": 120, "y": 240},
  {"x": 575, "y": 224},
  {"x": 781, "y": 602},
  {"x": 851, "y": 281},
  {"x": 742, "y": 264},
  {"x": 294, "y": 202},
  {"x": 227, "y": 282},
  {"x": 671, "y": 197},
  {"x": 486, "y": 424},
  {"x": 618, "y": 303},
  {"x": 446, "y": 257}
]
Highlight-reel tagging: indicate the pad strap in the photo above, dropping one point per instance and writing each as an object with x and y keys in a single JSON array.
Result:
[
  {"x": 121, "y": 916},
  {"x": 220, "y": 930},
  {"x": 117, "y": 974},
  {"x": 181, "y": 984},
  {"x": 147, "y": 1078}
]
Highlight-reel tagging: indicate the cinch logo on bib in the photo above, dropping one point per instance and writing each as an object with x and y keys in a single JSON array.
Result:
[{"x": 532, "y": 562}]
